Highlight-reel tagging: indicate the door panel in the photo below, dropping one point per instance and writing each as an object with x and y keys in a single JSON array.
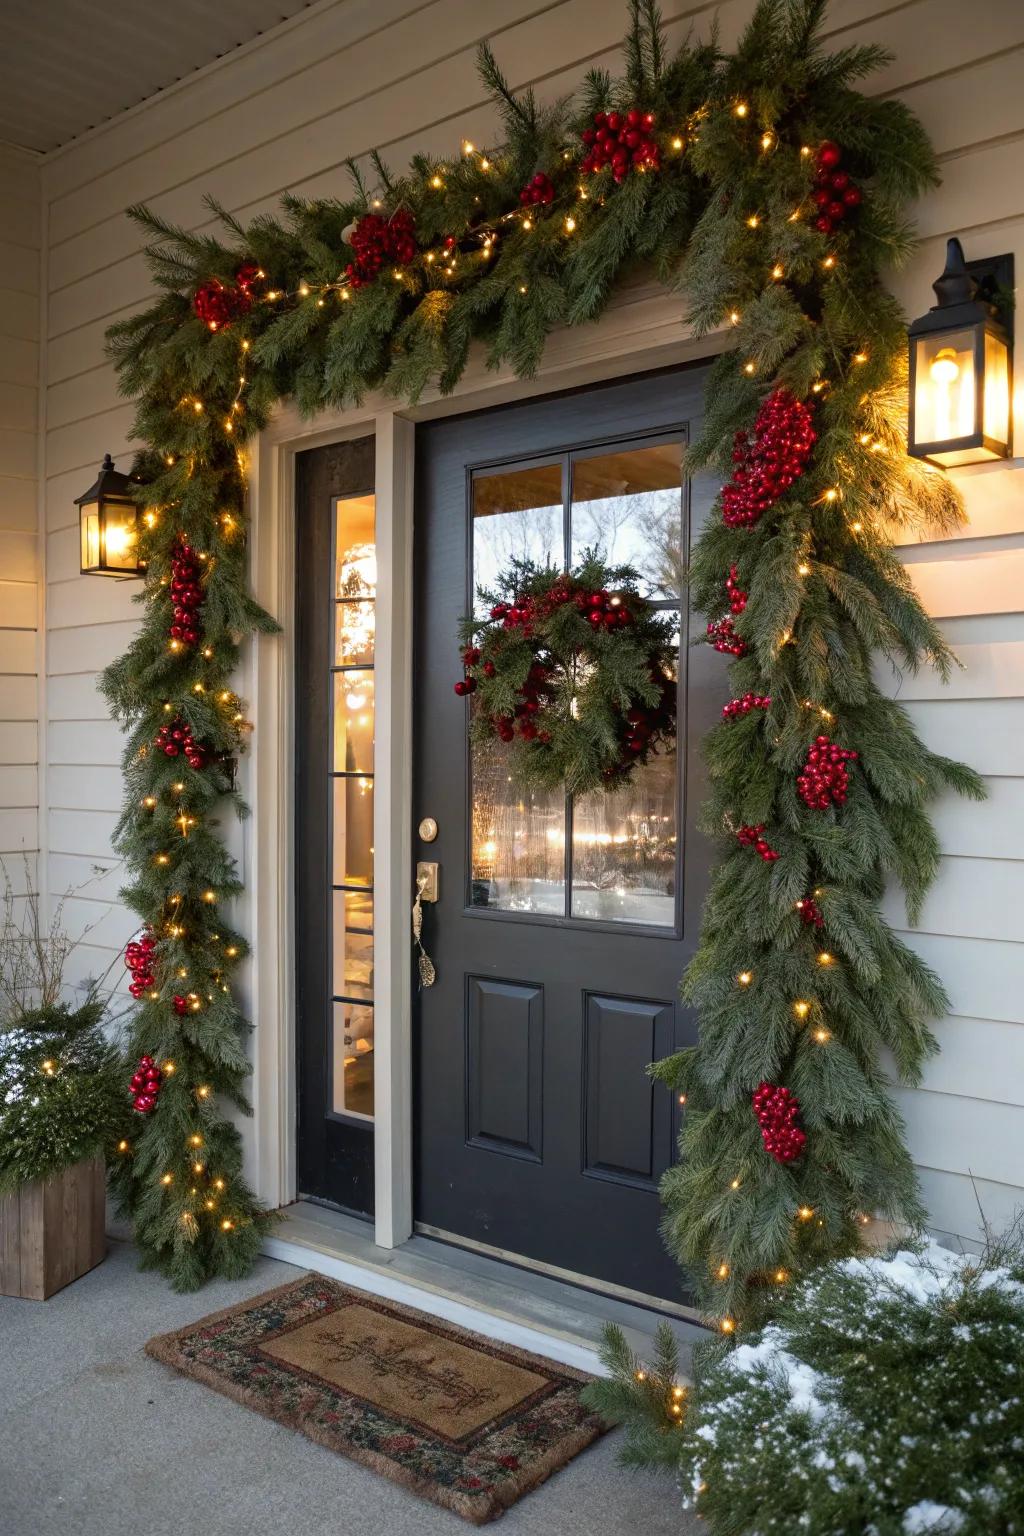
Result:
[{"x": 562, "y": 928}]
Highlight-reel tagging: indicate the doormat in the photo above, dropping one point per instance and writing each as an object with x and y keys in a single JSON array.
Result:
[{"x": 461, "y": 1420}]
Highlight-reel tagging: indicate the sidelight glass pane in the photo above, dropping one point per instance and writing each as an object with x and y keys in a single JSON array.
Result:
[
  {"x": 517, "y": 515},
  {"x": 624, "y": 848},
  {"x": 353, "y": 831},
  {"x": 352, "y": 1059},
  {"x": 352, "y": 961},
  {"x": 353, "y": 634},
  {"x": 353, "y": 721},
  {"x": 355, "y": 555},
  {"x": 518, "y": 860},
  {"x": 627, "y": 504}
]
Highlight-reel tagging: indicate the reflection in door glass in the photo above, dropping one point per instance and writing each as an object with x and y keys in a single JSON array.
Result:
[
  {"x": 518, "y": 839},
  {"x": 355, "y": 587},
  {"x": 517, "y": 515},
  {"x": 624, "y": 848},
  {"x": 627, "y": 504}
]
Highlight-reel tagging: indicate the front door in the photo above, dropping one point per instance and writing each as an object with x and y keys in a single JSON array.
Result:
[{"x": 562, "y": 926}]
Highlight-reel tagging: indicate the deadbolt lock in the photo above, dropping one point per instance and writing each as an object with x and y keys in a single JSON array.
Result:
[
  {"x": 426, "y": 881},
  {"x": 428, "y": 829}
]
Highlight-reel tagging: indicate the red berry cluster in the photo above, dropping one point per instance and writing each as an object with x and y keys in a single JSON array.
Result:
[
  {"x": 540, "y": 190},
  {"x": 179, "y": 1004},
  {"x": 753, "y": 837},
  {"x": 470, "y": 658},
  {"x": 810, "y": 912},
  {"x": 767, "y": 463},
  {"x": 743, "y": 706},
  {"x": 824, "y": 779},
  {"x": 603, "y": 610},
  {"x": 138, "y": 957},
  {"x": 217, "y": 304},
  {"x": 186, "y": 593},
  {"x": 835, "y": 195},
  {"x": 376, "y": 240},
  {"x": 175, "y": 739},
  {"x": 722, "y": 635},
  {"x": 776, "y": 1109},
  {"x": 736, "y": 594},
  {"x": 623, "y": 140},
  {"x": 643, "y": 723},
  {"x": 524, "y": 719},
  {"x": 145, "y": 1085}
]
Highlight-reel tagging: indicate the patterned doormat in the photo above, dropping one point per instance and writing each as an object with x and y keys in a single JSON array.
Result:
[{"x": 459, "y": 1419}]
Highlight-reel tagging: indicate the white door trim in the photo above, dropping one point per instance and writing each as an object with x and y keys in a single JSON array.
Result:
[{"x": 640, "y": 330}]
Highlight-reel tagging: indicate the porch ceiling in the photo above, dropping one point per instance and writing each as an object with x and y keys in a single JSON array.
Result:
[{"x": 66, "y": 65}]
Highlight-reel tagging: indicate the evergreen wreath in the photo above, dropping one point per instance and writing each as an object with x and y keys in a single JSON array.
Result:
[
  {"x": 575, "y": 670},
  {"x": 721, "y": 173}
]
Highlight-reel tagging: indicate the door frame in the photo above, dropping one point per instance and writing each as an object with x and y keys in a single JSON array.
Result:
[{"x": 640, "y": 331}]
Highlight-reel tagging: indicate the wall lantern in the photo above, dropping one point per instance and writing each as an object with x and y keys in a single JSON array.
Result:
[
  {"x": 108, "y": 518},
  {"x": 960, "y": 365}
]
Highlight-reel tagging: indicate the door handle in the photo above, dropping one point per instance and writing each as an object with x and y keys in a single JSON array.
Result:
[{"x": 425, "y": 965}]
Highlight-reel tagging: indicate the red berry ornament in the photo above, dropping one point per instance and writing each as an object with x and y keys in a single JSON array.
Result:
[
  {"x": 753, "y": 837},
  {"x": 776, "y": 1111},
  {"x": 540, "y": 190},
  {"x": 214, "y": 304},
  {"x": 187, "y": 594},
  {"x": 623, "y": 141},
  {"x": 722, "y": 635},
  {"x": 824, "y": 779},
  {"x": 737, "y": 597},
  {"x": 835, "y": 195},
  {"x": 139, "y": 958},
  {"x": 810, "y": 912},
  {"x": 145, "y": 1085},
  {"x": 768, "y": 461},
  {"x": 376, "y": 240},
  {"x": 175, "y": 739},
  {"x": 742, "y": 706}
]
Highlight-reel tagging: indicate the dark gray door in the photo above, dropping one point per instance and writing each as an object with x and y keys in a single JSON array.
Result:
[{"x": 562, "y": 928}]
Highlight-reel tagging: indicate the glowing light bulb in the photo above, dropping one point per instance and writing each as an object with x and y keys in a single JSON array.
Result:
[
  {"x": 741, "y": 109},
  {"x": 801, "y": 1008},
  {"x": 805, "y": 1213},
  {"x": 723, "y": 1271},
  {"x": 122, "y": 1146},
  {"x": 727, "y": 1325},
  {"x": 745, "y": 978},
  {"x": 825, "y": 958}
]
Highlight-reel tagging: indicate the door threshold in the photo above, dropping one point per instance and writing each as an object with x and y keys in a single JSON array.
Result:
[
  {"x": 502, "y": 1301},
  {"x": 519, "y": 1261}
]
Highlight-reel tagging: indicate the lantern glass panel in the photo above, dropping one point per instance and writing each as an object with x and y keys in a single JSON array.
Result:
[
  {"x": 119, "y": 536},
  {"x": 996, "y": 395},
  {"x": 945, "y": 392},
  {"x": 90, "y": 526}
]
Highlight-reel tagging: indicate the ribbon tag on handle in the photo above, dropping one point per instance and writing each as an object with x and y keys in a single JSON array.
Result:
[{"x": 428, "y": 975}]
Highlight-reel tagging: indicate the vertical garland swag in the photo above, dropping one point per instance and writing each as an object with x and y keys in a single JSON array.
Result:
[{"x": 767, "y": 190}]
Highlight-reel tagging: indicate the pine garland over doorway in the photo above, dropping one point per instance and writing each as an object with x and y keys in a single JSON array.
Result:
[{"x": 771, "y": 194}]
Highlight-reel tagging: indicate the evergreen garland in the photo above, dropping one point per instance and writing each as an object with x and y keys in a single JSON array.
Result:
[{"x": 388, "y": 290}]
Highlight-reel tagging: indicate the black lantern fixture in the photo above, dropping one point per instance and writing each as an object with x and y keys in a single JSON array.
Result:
[
  {"x": 108, "y": 518},
  {"x": 960, "y": 366}
]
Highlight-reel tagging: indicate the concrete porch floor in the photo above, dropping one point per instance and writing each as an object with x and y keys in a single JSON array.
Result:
[{"x": 96, "y": 1439}]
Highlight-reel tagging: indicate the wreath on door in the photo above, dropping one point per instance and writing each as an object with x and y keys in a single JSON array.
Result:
[{"x": 574, "y": 670}]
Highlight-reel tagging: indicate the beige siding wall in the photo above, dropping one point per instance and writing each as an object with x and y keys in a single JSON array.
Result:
[
  {"x": 20, "y": 209},
  {"x": 341, "y": 78}
]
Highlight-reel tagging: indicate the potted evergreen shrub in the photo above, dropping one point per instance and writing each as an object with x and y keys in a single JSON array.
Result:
[{"x": 62, "y": 1106}]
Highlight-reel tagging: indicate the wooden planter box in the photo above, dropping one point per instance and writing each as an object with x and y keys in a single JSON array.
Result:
[{"x": 53, "y": 1230}]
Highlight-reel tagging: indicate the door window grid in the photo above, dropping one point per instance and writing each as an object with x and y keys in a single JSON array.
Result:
[
  {"x": 611, "y": 858},
  {"x": 351, "y": 771}
]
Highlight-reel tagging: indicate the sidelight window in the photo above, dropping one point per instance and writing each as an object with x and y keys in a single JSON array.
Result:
[
  {"x": 352, "y": 730},
  {"x": 600, "y": 857}
]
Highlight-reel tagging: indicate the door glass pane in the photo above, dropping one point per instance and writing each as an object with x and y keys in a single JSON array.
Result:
[
  {"x": 352, "y": 1059},
  {"x": 627, "y": 504},
  {"x": 353, "y": 831},
  {"x": 517, "y": 515},
  {"x": 353, "y": 721},
  {"x": 352, "y": 966},
  {"x": 353, "y": 634},
  {"x": 355, "y": 554},
  {"x": 624, "y": 848},
  {"x": 518, "y": 839}
]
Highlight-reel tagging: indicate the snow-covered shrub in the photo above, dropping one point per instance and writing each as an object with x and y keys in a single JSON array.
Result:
[{"x": 885, "y": 1399}]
